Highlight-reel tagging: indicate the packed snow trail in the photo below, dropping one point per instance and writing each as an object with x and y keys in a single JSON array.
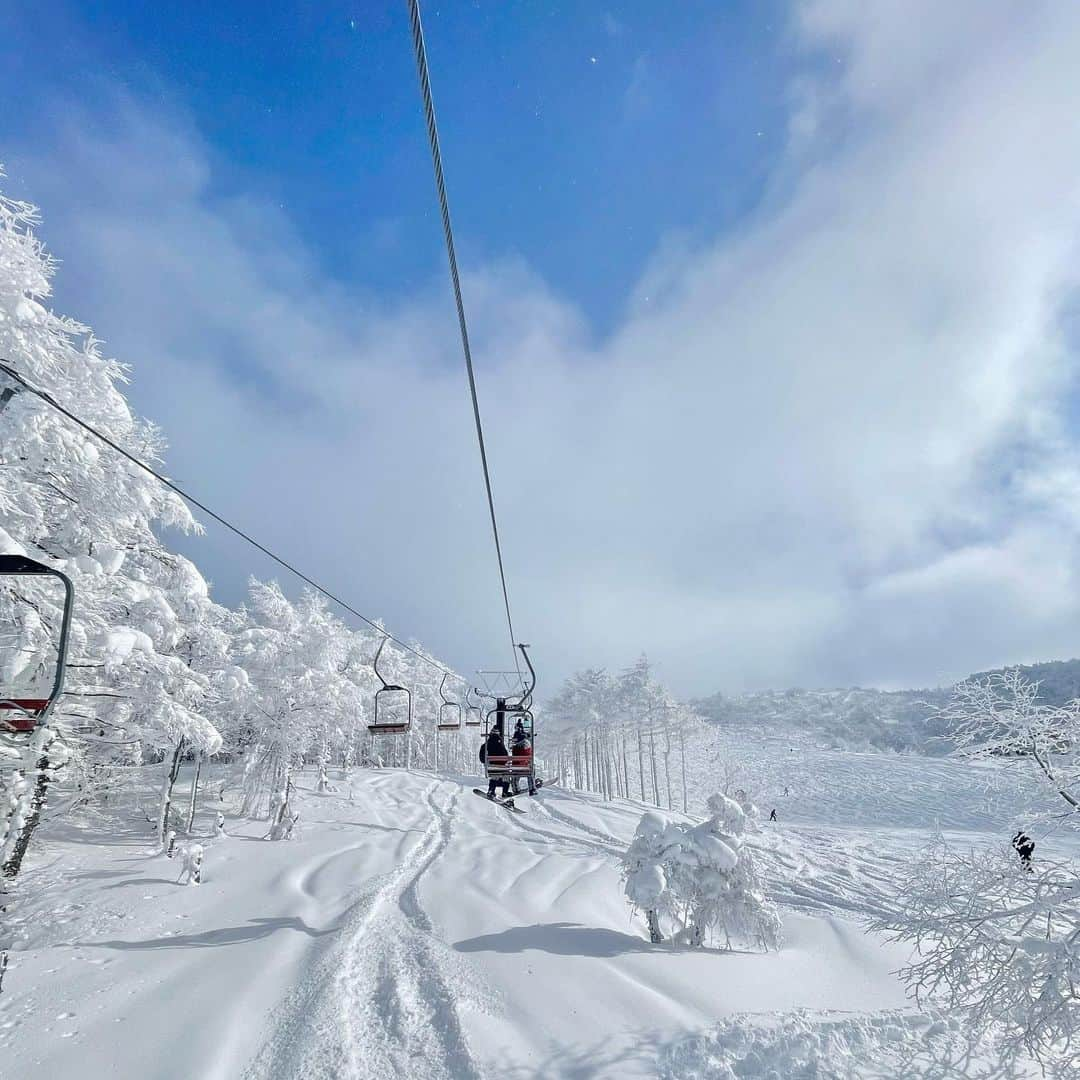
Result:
[
  {"x": 384, "y": 1001},
  {"x": 410, "y": 929}
]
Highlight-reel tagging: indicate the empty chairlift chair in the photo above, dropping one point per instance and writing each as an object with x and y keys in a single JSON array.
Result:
[
  {"x": 449, "y": 719},
  {"x": 35, "y": 621},
  {"x": 385, "y": 721},
  {"x": 474, "y": 713},
  {"x": 449, "y": 711}
]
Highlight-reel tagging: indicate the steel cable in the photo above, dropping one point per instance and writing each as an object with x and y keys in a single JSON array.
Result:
[
  {"x": 49, "y": 400},
  {"x": 420, "y": 50}
]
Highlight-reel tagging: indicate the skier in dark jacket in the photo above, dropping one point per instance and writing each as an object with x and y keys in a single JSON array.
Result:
[
  {"x": 495, "y": 746},
  {"x": 1025, "y": 848}
]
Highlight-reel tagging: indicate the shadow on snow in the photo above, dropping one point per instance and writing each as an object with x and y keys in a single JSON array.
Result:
[
  {"x": 562, "y": 939},
  {"x": 227, "y": 935}
]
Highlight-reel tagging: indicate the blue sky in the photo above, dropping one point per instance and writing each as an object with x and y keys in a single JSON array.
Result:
[
  {"x": 576, "y": 134},
  {"x": 773, "y": 310}
]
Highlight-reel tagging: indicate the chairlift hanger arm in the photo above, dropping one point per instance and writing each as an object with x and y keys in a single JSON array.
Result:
[
  {"x": 527, "y": 696},
  {"x": 442, "y": 692},
  {"x": 378, "y": 673}
]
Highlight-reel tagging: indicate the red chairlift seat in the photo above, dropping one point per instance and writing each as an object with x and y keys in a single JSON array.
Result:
[
  {"x": 20, "y": 715},
  {"x": 516, "y": 764}
]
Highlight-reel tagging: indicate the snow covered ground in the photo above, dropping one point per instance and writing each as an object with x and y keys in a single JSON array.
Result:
[{"x": 410, "y": 929}]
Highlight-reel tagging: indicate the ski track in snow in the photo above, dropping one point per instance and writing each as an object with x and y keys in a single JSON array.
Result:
[
  {"x": 383, "y": 1004},
  {"x": 828, "y": 874},
  {"x": 612, "y": 844}
]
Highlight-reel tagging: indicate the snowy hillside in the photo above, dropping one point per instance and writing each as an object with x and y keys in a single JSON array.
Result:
[
  {"x": 412, "y": 929},
  {"x": 857, "y": 718}
]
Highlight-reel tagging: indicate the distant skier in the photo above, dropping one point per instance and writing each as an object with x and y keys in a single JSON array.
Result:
[
  {"x": 1025, "y": 848},
  {"x": 772, "y": 816}
]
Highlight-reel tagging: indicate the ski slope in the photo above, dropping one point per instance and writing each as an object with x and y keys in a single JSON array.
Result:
[{"x": 410, "y": 929}]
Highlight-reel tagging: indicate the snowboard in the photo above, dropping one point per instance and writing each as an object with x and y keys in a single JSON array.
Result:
[{"x": 505, "y": 803}]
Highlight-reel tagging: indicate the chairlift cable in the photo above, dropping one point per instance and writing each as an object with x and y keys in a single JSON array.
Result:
[
  {"x": 448, "y": 233},
  {"x": 49, "y": 400}
]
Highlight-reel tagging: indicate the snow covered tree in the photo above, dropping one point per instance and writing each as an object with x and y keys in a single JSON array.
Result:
[
  {"x": 700, "y": 879},
  {"x": 71, "y": 503},
  {"x": 286, "y": 655},
  {"x": 158, "y": 673},
  {"x": 1000, "y": 716},
  {"x": 996, "y": 937},
  {"x": 997, "y": 943},
  {"x": 621, "y": 737}
]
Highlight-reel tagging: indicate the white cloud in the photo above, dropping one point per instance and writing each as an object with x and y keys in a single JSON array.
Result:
[{"x": 834, "y": 447}]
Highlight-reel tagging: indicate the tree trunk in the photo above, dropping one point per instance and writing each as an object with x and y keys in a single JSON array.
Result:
[
  {"x": 609, "y": 785},
  {"x": 682, "y": 750},
  {"x": 653, "y": 919},
  {"x": 166, "y": 792},
  {"x": 625, "y": 768},
  {"x": 194, "y": 790},
  {"x": 37, "y": 804},
  {"x": 667, "y": 763},
  {"x": 641, "y": 763},
  {"x": 655, "y": 777}
]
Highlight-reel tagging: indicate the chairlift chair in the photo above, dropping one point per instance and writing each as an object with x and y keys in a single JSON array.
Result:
[
  {"x": 474, "y": 713},
  {"x": 380, "y": 724},
  {"x": 449, "y": 711},
  {"x": 24, "y": 709}
]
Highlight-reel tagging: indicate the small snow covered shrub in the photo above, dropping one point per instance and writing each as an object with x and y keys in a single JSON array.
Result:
[
  {"x": 700, "y": 880},
  {"x": 191, "y": 871},
  {"x": 646, "y": 882},
  {"x": 282, "y": 818}
]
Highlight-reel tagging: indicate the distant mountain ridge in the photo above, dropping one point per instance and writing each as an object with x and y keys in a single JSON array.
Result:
[{"x": 857, "y": 718}]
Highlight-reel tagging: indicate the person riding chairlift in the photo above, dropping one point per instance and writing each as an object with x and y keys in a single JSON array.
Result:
[
  {"x": 521, "y": 756},
  {"x": 495, "y": 746},
  {"x": 520, "y": 744}
]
